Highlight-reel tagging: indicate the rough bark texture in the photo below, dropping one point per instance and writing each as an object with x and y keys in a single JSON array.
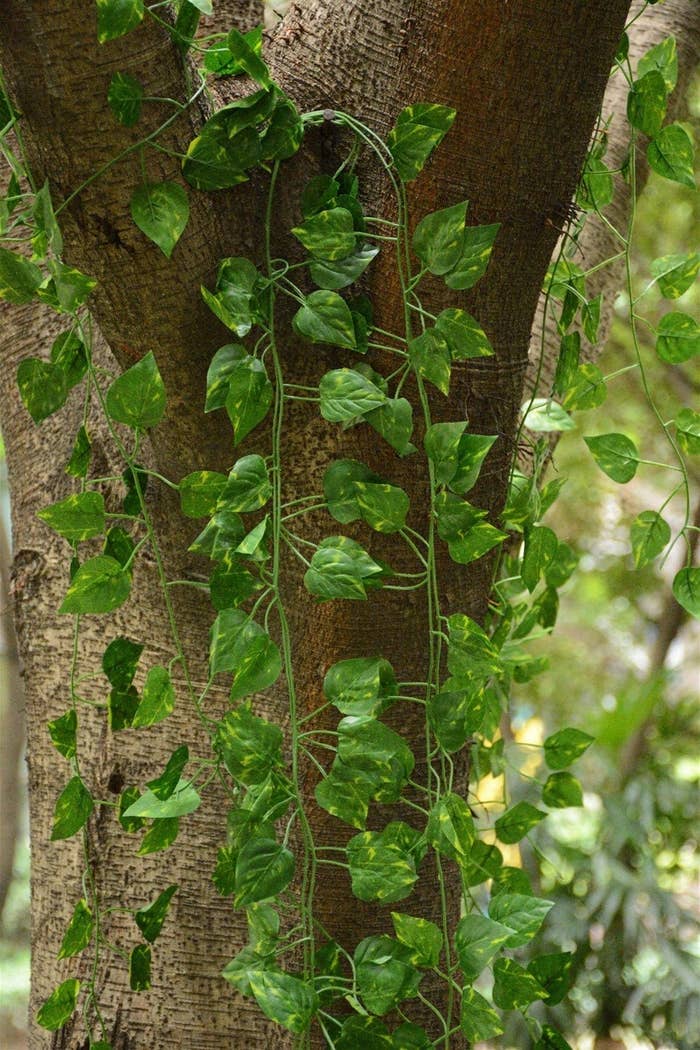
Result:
[{"x": 527, "y": 84}]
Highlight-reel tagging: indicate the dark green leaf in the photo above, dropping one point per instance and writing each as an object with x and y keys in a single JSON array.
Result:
[
  {"x": 325, "y": 318},
  {"x": 69, "y": 353},
  {"x": 540, "y": 549},
  {"x": 555, "y": 974},
  {"x": 328, "y": 235},
  {"x": 341, "y": 568},
  {"x": 140, "y": 968},
  {"x": 380, "y": 871},
  {"x": 79, "y": 517},
  {"x": 419, "y": 130},
  {"x": 200, "y": 492},
  {"x": 377, "y": 754},
  {"x": 59, "y": 1006},
  {"x": 99, "y": 586},
  {"x": 687, "y": 424},
  {"x": 430, "y": 356},
  {"x": 520, "y": 914},
  {"x": 586, "y": 390},
  {"x": 477, "y": 941},
  {"x": 550, "y": 1038},
  {"x": 476, "y": 253},
  {"x": 339, "y": 488},
  {"x": 364, "y": 1033},
  {"x": 119, "y": 661},
  {"x": 79, "y": 461},
  {"x": 158, "y": 698},
  {"x": 646, "y": 103},
  {"x": 562, "y": 790},
  {"x": 42, "y": 387},
  {"x": 137, "y": 397},
  {"x": 150, "y": 919},
  {"x": 19, "y": 278},
  {"x": 663, "y": 58},
  {"x": 442, "y": 449},
  {"x": 248, "y": 486},
  {"x": 284, "y": 133},
  {"x": 362, "y": 686},
  {"x": 335, "y": 275},
  {"x": 385, "y": 974},
  {"x": 479, "y": 1021},
  {"x": 565, "y": 746},
  {"x": 455, "y": 714},
  {"x": 263, "y": 869},
  {"x": 249, "y": 746},
  {"x": 344, "y": 794},
  {"x": 160, "y": 835},
  {"x": 471, "y": 654},
  {"x": 394, "y": 422},
  {"x": 465, "y": 337},
  {"x": 285, "y": 999},
  {"x": 126, "y": 799},
  {"x": 451, "y": 828},
  {"x": 125, "y": 97},
  {"x": 249, "y": 396},
  {"x": 514, "y": 987},
  {"x": 236, "y": 296},
  {"x": 471, "y": 452},
  {"x": 161, "y": 210},
  {"x": 596, "y": 189},
  {"x": 517, "y": 822},
  {"x": 423, "y": 938},
  {"x": 63, "y": 732},
  {"x": 223, "y": 364},
  {"x": 615, "y": 454},
  {"x": 79, "y": 932},
  {"x": 383, "y": 507},
  {"x": 72, "y": 811},
  {"x": 248, "y": 58},
  {"x": 676, "y": 273}
]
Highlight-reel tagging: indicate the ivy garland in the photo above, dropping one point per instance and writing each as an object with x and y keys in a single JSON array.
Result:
[{"x": 295, "y": 972}]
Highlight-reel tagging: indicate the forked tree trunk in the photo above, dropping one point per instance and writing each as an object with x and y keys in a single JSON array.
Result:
[{"x": 527, "y": 81}]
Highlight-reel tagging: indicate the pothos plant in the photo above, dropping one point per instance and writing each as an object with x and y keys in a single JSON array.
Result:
[{"x": 299, "y": 976}]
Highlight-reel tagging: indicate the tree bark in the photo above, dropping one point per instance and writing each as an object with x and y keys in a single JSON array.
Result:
[{"x": 527, "y": 85}]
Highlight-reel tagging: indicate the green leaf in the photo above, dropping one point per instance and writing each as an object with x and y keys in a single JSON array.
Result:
[
  {"x": 477, "y": 941},
  {"x": 364, "y": 1033},
  {"x": 79, "y": 932},
  {"x": 137, "y": 397},
  {"x": 63, "y": 732},
  {"x": 119, "y": 661},
  {"x": 219, "y": 60},
  {"x": 99, "y": 586},
  {"x": 479, "y": 1021},
  {"x": 78, "y": 517},
  {"x": 285, "y": 999},
  {"x": 335, "y": 275},
  {"x": 77, "y": 465},
  {"x": 385, "y": 975},
  {"x": 125, "y": 97},
  {"x": 119, "y": 545},
  {"x": 542, "y": 415},
  {"x": 687, "y": 425},
  {"x": 520, "y": 914},
  {"x": 423, "y": 937},
  {"x": 586, "y": 390},
  {"x": 596, "y": 189},
  {"x": 161, "y": 210},
  {"x": 650, "y": 533},
  {"x": 341, "y": 568},
  {"x": 383, "y": 507},
  {"x": 121, "y": 708},
  {"x": 394, "y": 422},
  {"x": 339, "y": 488},
  {"x": 671, "y": 154},
  {"x": 284, "y": 133},
  {"x": 164, "y": 786},
  {"x": 42, "y": 387},
  {"x": 232, "y": 583},
  {"x": 263, "y": 869},
  {"x": 158, "y": 698},
  {"x": 471, "y": 654},
  {"x": 678, "y": 338},
  {"x": 555, "y": 973},
  {"x": 646, "y": 103},
  {"x": 72, "y": 810},
  {"x": 223, "y": 364},
  {"x": 430, "y": 356},
  {"x": 686, "y": 590},
  {"x": 562, "y": 565},
  {"x": 540, "y": 549},
  {"x": 410, "y": 1036},
  {"x": 379, "y": 870},
  {"x": 615, "y": 454},
  {"x": 69, "y": 353},
  {"x": 441, "y": 444},
  {"x": 140, "y": 968},
  {"x": 562, "y": 790},
  {"x": 117, "y": 17},
  {"x": 344, "y": 794},
  {"x": 590, "y": 315},
  {"x": 247, "y": 58},
  {"x": 328, "y": 234},
  {"x": 514, "y": 987},
  {"x": 249, "y": 396},
  {"x": 361, "y": 686},
  {"x": 484, "y": 862},
  {"x": 150, "y": 919},
  {"x": 551, "y": 1039},
  {"x": 59, "y": 1006},
  {"x": 249, "y": 746},
  {"x": 465, "y": 336},
  {"x": 19, "y": 278},
  {"x": 676, "y": 273},
  {"x": 471, "y": 452},
  {"x": 451, "y": 827},
  {"x": 455, "y": 714},
  {"x": 476, "y": 253},
  {"x": 565, "y": 746},
  {"x": 161, "y": 835},
  {"x": 325, "y": 318},
  {"x": 240, "y": 645},
  {"x": 439, "y": 238},
  {"x": 517, "y": 822},
  {"x": 200, "y": 492},
  {"x": 183, "y": 800},
  {"x": 248, "y": 486},
  {"x": 419, "y": 130},
  {"x": 377, "y": 754},
  {"x": 663, "y": 58},
  {"x": 236, "y": 296}
]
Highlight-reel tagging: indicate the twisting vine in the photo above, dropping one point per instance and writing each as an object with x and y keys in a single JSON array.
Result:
[{"x": 298, "y": 975}]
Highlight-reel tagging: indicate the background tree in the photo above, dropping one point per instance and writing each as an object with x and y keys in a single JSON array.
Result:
[{"x": 526, "y": 110}]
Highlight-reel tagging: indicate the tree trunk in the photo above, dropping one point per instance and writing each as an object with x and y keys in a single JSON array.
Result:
[{"x": 527, "y": 84}]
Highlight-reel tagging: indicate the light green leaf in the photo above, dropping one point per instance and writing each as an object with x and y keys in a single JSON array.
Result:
[
  {"x": 223, "y": 364},
  {"x": 676, "y": 273},
  {"x": 200, "y": 492},
  {"x": 69, "y": 353},
  {"x": 161, "y": 210},
  {"x": 615, "y": 454},
  {"x": 335, "y": 275},
  {"x": 476, "y": 253},
  {"x": 263, "y": 869},
  {"x": 662, "y": 57},
  {"x": 439, "y": 238},
  {"x": 475, "y": 543},
  {"x": 285, "y": 999},
  {"x": 184, "y": 799},
  {"x": 360, "y": 686},
  {"x": 19, "y": 278},
  {"x": 678, "y": 338},
  {"x": 328, "y": 235},
  {"x": 419, "y": 130},
  {"x": 72, "y": 810},
  {"x": 544, "y": 415},
  {"x": 586, "y": 390},
  {"x": 596, "y": 189},
  {"x": 137, "y": 397},
  {"x": 158, "y": 699},
  {"x": 42, "y": 386},
  {"x": 377, "y": 754},
  {"x": 340, "y": 568},
  {"x": 686, "y": 590},
  {"x": 249, "y": 746},
  {"x": 99, "y": 586},
  {"x": 687, "y": 424},
  {"x": 380, "y": 871},
  {"x": 117, "y": 17},
  {"x": 150, "y": 919},
  {"x": 471, "y": 452},
  {"x": 59, "y": 1006},
  {"x": 423, "y": 937},
  {"x": 63, "y": 733},
  {"x": 344, "y": 795},
  {"x": 646, "y": 103},
  {"x": 477, "y": 941},
  {"x": 471, "y": 652},
  {"x": 649, "y": 534},
  {"x": 551, "y": 1039},
  {"x": 430, "y": 356},
  {"x": 249, "y": 396},
  {"x": 125, "y": 97},
  {"x": 671, "y": 154},
  {"x": 325, "y": 318},
  {"x": 248, "y": 487},
  {"x": 79, "y": 931},
  {"x": 520, "y": 915},
  {"x": 562, "y": 790},
  {"x": 514, "y": 987},
  {"x": 479, "y": 1021},
  {"x": 451, "y": 828},
  {"x": 565, "y": 746},
  {"x": 441, "y": 447},
  {"x": 383, "y": 507},
  {"x": 346, "y": 394},
  {"x": 465, "y": 336},
  {"x": 78, "y": 517}
]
